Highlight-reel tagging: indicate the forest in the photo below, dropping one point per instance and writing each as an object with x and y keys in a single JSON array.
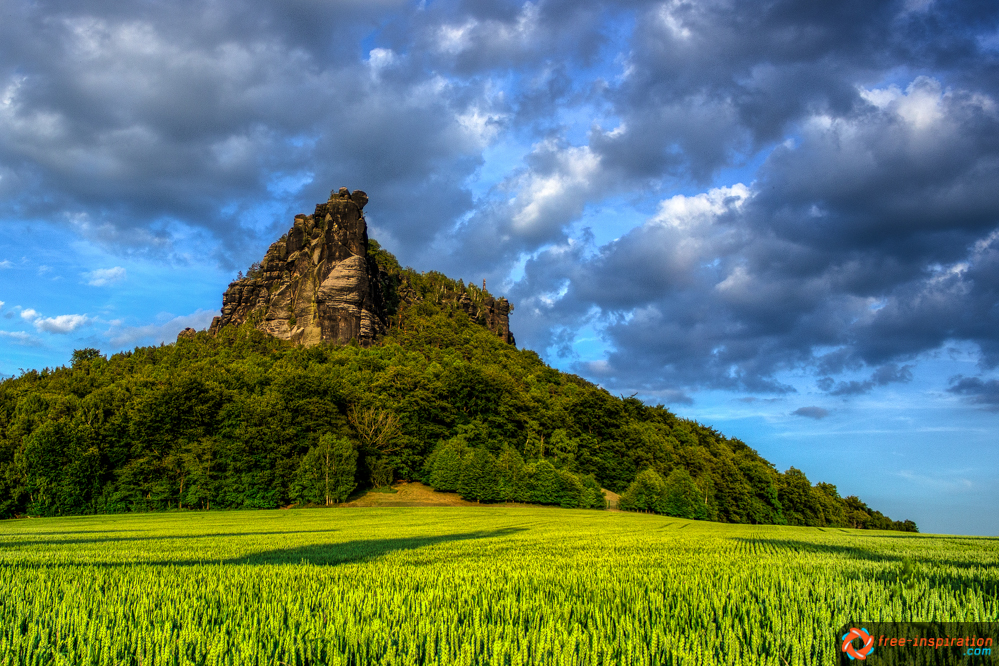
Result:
[{"x": 243, "y": 420}]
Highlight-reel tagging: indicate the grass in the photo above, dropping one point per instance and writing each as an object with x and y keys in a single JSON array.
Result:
[{"x": 464, "y": 585}]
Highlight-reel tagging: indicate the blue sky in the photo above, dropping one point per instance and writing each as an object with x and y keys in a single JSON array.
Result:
[{"x": 779, "y": 218}]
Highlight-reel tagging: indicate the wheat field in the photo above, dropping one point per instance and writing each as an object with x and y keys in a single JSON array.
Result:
[{"x": 464, "y": 585}]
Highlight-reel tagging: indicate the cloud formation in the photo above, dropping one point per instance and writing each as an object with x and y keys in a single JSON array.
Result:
[
  {"x": 103, "y": 277},
  {"x": 130, "y": 336},
  {"x": 21, "y": 338},
  {"x": 60, "y": 325},
  {"x": 977, "y": 391},
  {"x": 816, "y": 413},
  {"x": 815, "y": 184},
  {"x": 865, "y": 242}
]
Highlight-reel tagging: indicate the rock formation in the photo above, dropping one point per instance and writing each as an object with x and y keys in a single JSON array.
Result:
[
  {"x": 494, "y": 314},
  {"x": 317, "y": 283}
]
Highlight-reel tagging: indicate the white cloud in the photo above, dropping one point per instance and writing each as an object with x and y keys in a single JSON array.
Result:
[
  {"x": 62, "y": 324},
  {"x": 668, "y": 13},
  {"x": 1, "y": 305},
  {"x": 21, "y": 338},
  {"x": 947, "y": 481},
  {"x": 381, "y": 58},
  {"x": 6, "y": 263},
  {"x": 552, "y": 196},
  {"x": 454, "y": 39},
  {"x": 103, "y": 277},
  {"x": 683, "y": 212},
  {"x": 481, "y": 127}
]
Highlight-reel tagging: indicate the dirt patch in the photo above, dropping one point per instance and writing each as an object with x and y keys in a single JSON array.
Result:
[
  {"x": 612, "y": 498},
  {"x": 415, "y": 493},
  {"x": 408, "y": 494}
]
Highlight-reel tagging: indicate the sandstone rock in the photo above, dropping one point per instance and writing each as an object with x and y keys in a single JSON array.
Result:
[
  {"x": 359, "y": 197},
  {"x": 316, "y": 283},
  {"x": 187, "y": 333}
]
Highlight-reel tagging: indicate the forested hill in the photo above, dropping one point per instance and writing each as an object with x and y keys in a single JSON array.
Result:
[{"x": 242, "y": 419}]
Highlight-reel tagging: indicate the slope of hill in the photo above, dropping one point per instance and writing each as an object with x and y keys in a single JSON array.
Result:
[{"x": 238, "y": 418}]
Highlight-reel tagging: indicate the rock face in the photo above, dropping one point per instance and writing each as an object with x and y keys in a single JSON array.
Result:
[
  {"x": 316, "y": 283},
  {"x": 493, "y": 313}
]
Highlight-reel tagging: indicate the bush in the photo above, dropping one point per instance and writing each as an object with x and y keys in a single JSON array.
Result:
[{"x": 646, "y": 493}]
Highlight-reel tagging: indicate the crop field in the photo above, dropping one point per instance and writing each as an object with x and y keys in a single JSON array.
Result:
[{"x": 464, "y": 585}]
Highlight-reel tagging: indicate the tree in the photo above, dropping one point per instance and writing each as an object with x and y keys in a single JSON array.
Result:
[
  {"x": 645, "y": 493},
  {"x": 326, "y": 475},
  {"x": 682, "y": 498},
  {"x": 511, "y": 472},
  {"x": 593, "y": 494},
  {"x": 541, "y": 484},
  {"x": 380, "y": 435},
  {"x": 446, "y": 472},
  {"x": 801, "y": 505},
  {"x": 571, "y": 490},
  {"x": 563, "y": 449},
  {"x": 857, "y": 513},
  {"x": 480, "y": 477},
  {"x": 81, "y": 357},
  {"x": 833, "y": 506},
  {"x": 380, "y": 471}
]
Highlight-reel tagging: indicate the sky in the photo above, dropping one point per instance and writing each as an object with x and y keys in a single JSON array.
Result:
[{"x": 778, "y": 217}]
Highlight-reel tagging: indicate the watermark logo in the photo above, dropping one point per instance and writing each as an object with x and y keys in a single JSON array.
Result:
[{"x": 855, "y": 652}]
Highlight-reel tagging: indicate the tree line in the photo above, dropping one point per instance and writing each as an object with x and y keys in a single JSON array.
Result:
[
  {"x": 793, "y": 501},
  {"x": 476, "y": 474}
]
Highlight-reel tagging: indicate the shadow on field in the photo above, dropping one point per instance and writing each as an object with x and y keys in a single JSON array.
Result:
[
  {"x": 154, "y": 537},
  {"x": 32, "y": 534},
  {"x": 795, "y": 546},
  {"x": 319, "y": 553},
  {"x": 934, "y": 570},
  {"x": 354, "y": 551},
  {"x": 855, "y": 552}
]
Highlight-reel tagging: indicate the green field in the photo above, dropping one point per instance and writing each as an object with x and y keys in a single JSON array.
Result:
[{"x": 474, "y": 585}]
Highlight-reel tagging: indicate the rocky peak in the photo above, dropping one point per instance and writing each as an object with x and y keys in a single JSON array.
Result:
[{"x": 316, "y": 282}]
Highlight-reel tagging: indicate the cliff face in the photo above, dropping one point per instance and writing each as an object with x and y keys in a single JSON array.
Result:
[
  {"x": 318, "y": 283},
  {"x": 494, "y": 314}
]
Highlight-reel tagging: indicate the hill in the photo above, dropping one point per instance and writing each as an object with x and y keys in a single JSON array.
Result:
[{"x": 235, "y": 417}]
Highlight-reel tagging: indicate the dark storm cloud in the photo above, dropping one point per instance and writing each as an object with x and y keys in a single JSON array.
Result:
[
  {"x": 869, "y": 240},
  {"x": 708, "y": 80},
  {"x": 811, "y": 412},
  {"x": 867, "y": 237},
  {"x": 125, "y": 120},
  {"x": 977, "y": 391},
  {"x": 886, "y": 374}
]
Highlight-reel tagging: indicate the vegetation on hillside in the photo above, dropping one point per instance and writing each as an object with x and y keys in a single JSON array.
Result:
[{"x": 243, "y": 420}]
